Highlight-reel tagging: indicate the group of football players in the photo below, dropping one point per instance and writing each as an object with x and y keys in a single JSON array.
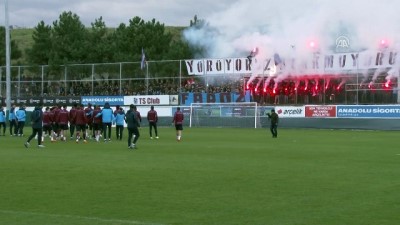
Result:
[{"x": 82, "y": 122}]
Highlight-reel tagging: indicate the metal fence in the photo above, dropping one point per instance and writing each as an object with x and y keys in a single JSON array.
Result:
[
  {"x": 170, "y": 77},
  {"x": 92, "y": 79}
]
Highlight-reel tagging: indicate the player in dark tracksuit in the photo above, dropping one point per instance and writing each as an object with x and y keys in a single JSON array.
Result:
[
  {"x": 37, "y": 126},
  {"x": 132, "y": 121},
  {"x": 274, "y": 118}
]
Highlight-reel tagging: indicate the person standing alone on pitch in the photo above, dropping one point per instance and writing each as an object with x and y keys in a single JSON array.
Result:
[
  {"x": 133, "y": 123},
  {"x": 152, "y": 117},
  {"x": 37, "y": 126},
  {"x": 178, "y": 121},
  {"x": 274, "y": 119}
]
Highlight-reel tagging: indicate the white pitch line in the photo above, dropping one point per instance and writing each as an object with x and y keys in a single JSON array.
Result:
[{"x": 77, "y": 217}]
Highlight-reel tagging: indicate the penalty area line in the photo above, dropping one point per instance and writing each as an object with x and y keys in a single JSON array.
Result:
[{"x": 76, "y": 217}]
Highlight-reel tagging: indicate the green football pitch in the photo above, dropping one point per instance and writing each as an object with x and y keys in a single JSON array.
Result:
[{"x": 213, "y": 176}]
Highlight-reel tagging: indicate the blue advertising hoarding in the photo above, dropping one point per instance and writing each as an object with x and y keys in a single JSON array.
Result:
[
  {"x": 368, "y": 111},
  {"x": 100, "y": 100}
]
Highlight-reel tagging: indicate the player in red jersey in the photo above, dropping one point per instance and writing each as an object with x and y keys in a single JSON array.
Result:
[
  {"x": 52, "y": 119},
  {"x": 178, "y": 121},
  {"x": 62, "y": 120},
  {"x": 56, "y": 127},
  {"x": 97, "y": 125},
  {"x": 47, "y": 122},
  {"x": 89, "y": 116},
  {"x": 71, "y": 121},
  {"x": 152, "y": 117},
  {"x": 80, "y": 122}
]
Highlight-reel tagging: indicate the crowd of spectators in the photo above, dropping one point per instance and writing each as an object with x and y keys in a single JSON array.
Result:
[
  {"x": 160, "y": 86},
  {"x": 286, "y": 92}
]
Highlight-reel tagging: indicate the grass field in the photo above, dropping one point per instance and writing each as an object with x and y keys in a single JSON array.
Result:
[{"x": 214, "y": 176}]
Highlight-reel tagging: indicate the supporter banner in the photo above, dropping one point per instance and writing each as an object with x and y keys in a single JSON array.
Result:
[
  {"x": 218, "y": 66},
  {"x": 147, "y": 100},
  {"x": 100, "y": 100},
  {"x": 323, "y": 64},
  {"x": 290, "y": 111},
  {"x": 320, "y": 111},
  {"x": 189, "y": 98},
  {"x": 368, "y": 111}
]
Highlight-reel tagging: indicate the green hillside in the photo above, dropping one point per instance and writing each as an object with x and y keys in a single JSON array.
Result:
[
  {"x": 23, "y": 37},
  {"x": 24, "y": 40}
]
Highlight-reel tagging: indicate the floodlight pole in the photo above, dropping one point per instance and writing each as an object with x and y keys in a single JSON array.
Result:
[
  {"x": 8, "y": 52},
  {"x": 358, "y": 71}
]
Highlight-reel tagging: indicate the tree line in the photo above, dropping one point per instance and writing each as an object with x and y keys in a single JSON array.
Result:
[{"x": 68, "y": 41}]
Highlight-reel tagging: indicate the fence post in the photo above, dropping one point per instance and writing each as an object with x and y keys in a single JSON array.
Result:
[
  {"x": 42, "y": 80},
  {"x": 398, "y": 90},
  {"x": 180, "y": 78},
  {"x": 120, "y": 78},
  {"x": 65, "y": 78},
  {"x": 19, "y": 82},
  {"x": 147, "y": 78},
  {"x": 92, "y": 91},
  {"x": 1, "y": 83}
]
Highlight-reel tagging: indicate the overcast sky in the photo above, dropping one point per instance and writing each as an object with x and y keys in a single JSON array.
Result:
[
  {"x": 237, "y": 25},
  {"x": 28, "y": 13}
]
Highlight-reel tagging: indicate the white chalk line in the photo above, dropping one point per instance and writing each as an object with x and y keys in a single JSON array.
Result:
[{"x": 77, "y": 217}]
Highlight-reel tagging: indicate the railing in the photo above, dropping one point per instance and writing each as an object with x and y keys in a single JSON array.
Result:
[
  {"x": 170, "y": 77},
  {"x": 90, "y": 79}
]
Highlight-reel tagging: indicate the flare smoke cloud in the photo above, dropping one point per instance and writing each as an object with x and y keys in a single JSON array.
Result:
[
  {"x": 287, "y": 28},
  {"x": 278, "y": 26}
]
